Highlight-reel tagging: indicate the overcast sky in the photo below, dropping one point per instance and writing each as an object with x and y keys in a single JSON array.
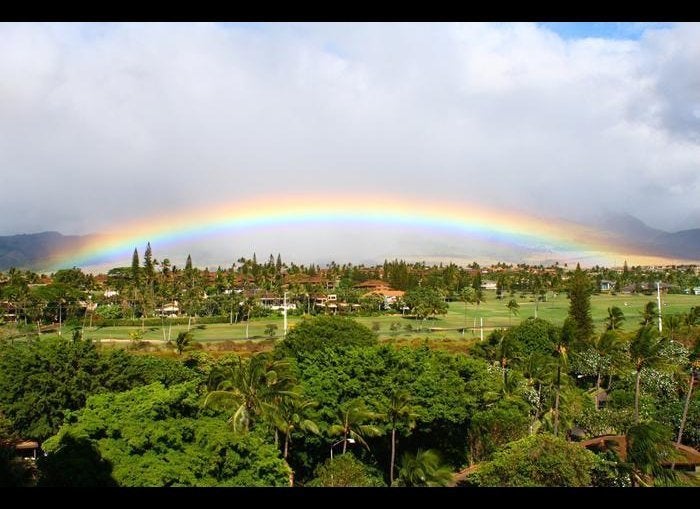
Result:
[{"x": 105, "y": 123}]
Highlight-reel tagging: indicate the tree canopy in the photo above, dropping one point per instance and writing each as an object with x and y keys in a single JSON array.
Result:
[
  {"x": 155, "y": 436},
  {"x": 323, "y": 332},
  {"x": 538, "y": 460}
]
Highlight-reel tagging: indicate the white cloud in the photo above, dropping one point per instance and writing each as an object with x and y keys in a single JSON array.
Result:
[{"x": 103, "y": 123}]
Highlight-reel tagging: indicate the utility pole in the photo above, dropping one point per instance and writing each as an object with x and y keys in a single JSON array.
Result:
[
  {"x": 658, "y": 301},
  {"x": 481, "y": 321},
  {"x": 285, "y": 314}
]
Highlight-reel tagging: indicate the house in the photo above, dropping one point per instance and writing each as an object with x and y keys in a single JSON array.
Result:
[
  {"x": 275, "y": 302},
  {"x": 110, "y": 293},
  {"x": 27, "y": 449},
  {"x": 390, "y": 296},
  {"x": 488, "y": 285},
  {"x": 606, "y": 285},
  {"x": 169, "y": 309},
  {"x": 372, "y": 285},
  {"x": 646, "y": 288}
]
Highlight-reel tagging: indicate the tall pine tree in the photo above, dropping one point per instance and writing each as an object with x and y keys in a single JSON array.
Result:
[
  {"x": 135, "y": 267},
  {"x": 580, "y": 305},
  {"x": 148, "y": 263}
]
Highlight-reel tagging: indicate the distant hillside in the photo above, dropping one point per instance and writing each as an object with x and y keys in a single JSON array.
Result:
[
  {"x": 683, "y": 244},
  {"x": 32, "y": 251}
]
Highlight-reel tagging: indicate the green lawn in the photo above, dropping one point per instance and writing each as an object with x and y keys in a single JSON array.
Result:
[{"x": 493, "y": 311}]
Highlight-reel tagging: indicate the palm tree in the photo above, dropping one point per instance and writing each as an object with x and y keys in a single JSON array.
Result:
[
  {"x": 649, "y": 314},
  {"x": 672, "y": 323},
  {"x": 245, "y": 386},
  {"x": 398, "y": 411},
  {"x": 615, "y": 318},
  {"x": 648, "y": 446},
  {"x": 423, "y": 469},
  {"x": 351, "y": 420},
  {"x": 513, "y": 308},
  {"x": 507, "y": 353},
  {"x": 288, "y": 415},
  {"x": 606, "y": 346},
  {"x": 183, "y": 339},
  {"x": 694, "y": 361},
  {"x": 538, "y": 369},
  {"x": 645, "y": 351},
  {"x": 568, "y": 333}
]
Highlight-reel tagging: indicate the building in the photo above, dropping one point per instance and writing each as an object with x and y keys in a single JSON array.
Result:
[
  {"x": 275, "y": 302},
  {"x": 390, "y": 296},
  {"x": 488, "y": 285},
  {"x": 169, "y": 309},
  {"x": 606, "y": 285},
  {"x": 372, "y": 285}
]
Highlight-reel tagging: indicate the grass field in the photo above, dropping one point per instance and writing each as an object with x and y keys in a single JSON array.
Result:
[{"x": 494, "y": 313}]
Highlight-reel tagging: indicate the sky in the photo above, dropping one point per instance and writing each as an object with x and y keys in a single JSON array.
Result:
[{"x": 102, "y": 124}]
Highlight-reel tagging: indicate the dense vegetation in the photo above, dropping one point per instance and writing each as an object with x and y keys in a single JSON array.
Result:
[{"x": 509, "y": 409}]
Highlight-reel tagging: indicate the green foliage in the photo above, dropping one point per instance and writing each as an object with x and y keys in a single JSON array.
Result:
[
  {"x": 605, "y": 421},
  {"x": 109, "y": 312},
  {"x": 344, "y": 470},
  {"x": 423, "y": 469},
  {"x": 648, "y": 446},
  {"x": 615, "y": 318},
  {"x": 72, "y": 277},
  {"x": 399, "y": 410},
  {"x": 152, "y": 436},
  {"x": 535, "y": 335},
  {"x": 513, "y": 307},
  {"x": 43, "y": 379},
  {"x": 288, "y": 413},
  {"x": 74, "y": 461},
  {"x": 649, "y": 314},
  {"x": 351, "y": 423},
  {"x": 243, "y": 387},
  {"x": 580, "y": 305},
  {"x": 494, "y": 426},
  {"x": 324, "y": 332},
  {"x": 122, "y": 371},
  {"x": 182, "y": 340},
  {"x": 609, "y": 473},
  {"x": 148, "y": 267},
  {"x": 135, "y": 268},
  {"x": 669, "y": 411},
  {"x": 425, "y": 302},
  {"x": 447, "y": 392},
  {"x": 271, "y": 330},
  {"x": 646, "y": 351},
  {"x": 538, "y": 460}
]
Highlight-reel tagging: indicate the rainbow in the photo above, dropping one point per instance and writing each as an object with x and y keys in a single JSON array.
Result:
[{"x": 510, "y": 227}]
